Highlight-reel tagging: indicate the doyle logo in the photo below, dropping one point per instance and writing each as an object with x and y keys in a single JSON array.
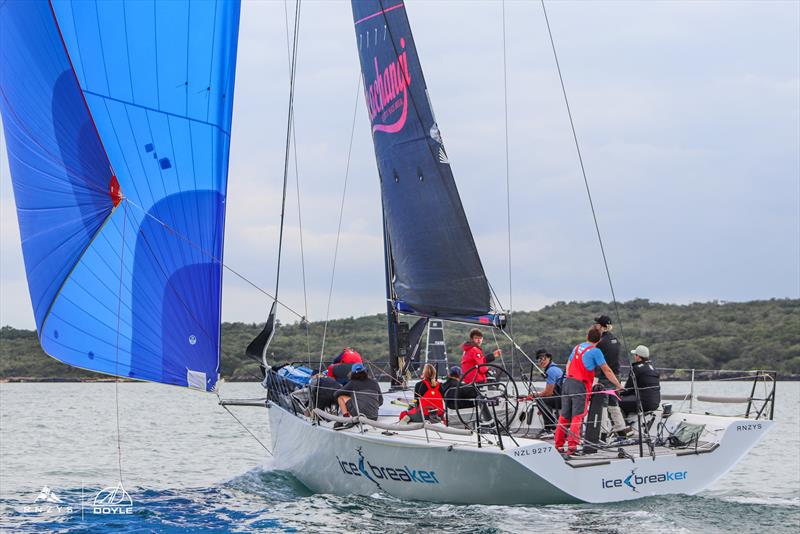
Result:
[
  {"x": 634, "y": 481},
  {"x": 113, "y": 500},
  {"x": 387, "y": 94},
  {"x": 380, "y": 473}
]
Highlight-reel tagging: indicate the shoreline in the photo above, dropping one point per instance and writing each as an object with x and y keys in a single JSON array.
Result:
[{"x": 59, "y": 380}]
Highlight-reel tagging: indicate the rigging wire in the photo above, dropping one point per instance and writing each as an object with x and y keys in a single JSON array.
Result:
[
  {"x": 116, "y": 359},
  {"x": 585, "y": 179},
  {"x": 292, "y": 72},
  {"x": 297, "y": 190},
  {"x": 597, "y": 229},
  {"x": 521, "y": 351},
  {"x": 339, "y": 226},
  {"x": 214, "y": 259},
  {"x": 508, "y": 186},
  {"x": 246, "y": 429}
]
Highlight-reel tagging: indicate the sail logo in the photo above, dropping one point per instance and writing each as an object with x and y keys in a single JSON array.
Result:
[
  {"x": 634, "y": 481},
  {"x": 47, "y": 502},
  {"x": 47, "y": 495},
  {"x": 379, "y": 473},
  {"x": 387, "y": 94},
  {"x": 113, "y": 500}
]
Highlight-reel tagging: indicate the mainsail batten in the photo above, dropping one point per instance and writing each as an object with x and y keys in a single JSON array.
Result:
[
  {"x": 142, "y": 297},
  {"x": 435, "y": 265}
]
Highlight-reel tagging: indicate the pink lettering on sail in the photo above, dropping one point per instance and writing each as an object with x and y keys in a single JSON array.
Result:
[{"x": 384, "y": 93}]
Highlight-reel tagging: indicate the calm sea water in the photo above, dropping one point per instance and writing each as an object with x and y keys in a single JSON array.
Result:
[{"x": 188, "y": 466}]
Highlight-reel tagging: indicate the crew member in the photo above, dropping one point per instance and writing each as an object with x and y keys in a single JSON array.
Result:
[
  {"x": 576, "y": 389},
  {"x": 549, "y": 399},
  {"x": 647, "y": 381},
  {"x": 361, "y": 395},
  {"x": 342, "y": 364},
  {"x": 428, "y": 395},
  {"x": 457, "y": 397},
  {"x": 321, "y": 390},
  {"x": 473, "y": 355},
  {"x": 609, "y": 345},
  {"x": 452, "y": 380}
]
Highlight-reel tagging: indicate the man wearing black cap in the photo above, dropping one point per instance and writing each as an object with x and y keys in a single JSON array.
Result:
[{"x": 610, "y": 347}]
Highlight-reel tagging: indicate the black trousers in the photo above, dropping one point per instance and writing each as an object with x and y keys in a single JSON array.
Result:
[
  {"x": 549, "y": 407},
  {"x": 628, "y": 405}
]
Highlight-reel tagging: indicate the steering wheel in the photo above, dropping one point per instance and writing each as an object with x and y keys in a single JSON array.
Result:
[{"x": 499, "y": 393}]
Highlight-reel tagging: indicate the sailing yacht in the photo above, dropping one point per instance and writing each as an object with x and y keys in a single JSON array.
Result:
[
  {"x": 117, "y": 120},
  {"x": 434, "y": 273}
]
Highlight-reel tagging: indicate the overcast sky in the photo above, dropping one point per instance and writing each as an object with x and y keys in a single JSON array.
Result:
[{"x": 688, "y": 114}]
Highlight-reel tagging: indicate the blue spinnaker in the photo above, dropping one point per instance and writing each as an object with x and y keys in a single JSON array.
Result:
[
  {"x": 117, "y": 119},
  {"x": 435, "y": 265}
]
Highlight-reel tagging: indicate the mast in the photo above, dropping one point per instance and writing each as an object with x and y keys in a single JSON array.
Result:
[{"x": 391, "y": 314}]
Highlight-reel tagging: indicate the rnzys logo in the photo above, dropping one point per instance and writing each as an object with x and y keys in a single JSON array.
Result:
[
  {"x": 47, "y": 495},
  {"x": 47, "y": 502},
  {"x": 749, "y": 427}
]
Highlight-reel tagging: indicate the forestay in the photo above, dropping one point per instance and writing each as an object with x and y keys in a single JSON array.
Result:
[
  {"x": 433, "y": 259},
  {"x": 117, "y": 119}
]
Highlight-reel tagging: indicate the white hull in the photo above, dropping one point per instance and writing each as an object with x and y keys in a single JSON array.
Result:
[{"x": 454, "y": 470}]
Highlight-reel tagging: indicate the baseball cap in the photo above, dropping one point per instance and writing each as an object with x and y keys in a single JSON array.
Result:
[
  {"x": 604, "y": 320},
  {"x": 455, "y": 371},
  {"x": 357, "y": 368},
  {"x": 642, "y": 352}
]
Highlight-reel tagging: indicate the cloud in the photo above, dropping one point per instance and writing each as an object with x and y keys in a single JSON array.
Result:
[{"x": 687, "y": 115}]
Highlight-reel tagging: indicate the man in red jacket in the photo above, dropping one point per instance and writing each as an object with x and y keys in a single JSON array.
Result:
[
  {"x": 342, "y": 364},
  {"x": 473, "y": 355}
]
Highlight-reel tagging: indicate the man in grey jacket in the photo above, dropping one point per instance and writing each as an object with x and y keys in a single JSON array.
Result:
[{"x": 361, "y": 395}]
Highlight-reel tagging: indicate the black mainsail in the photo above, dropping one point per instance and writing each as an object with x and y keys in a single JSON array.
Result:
[
  {"x": 432, "y": 259},
  {"x": 432, "y": 265}
]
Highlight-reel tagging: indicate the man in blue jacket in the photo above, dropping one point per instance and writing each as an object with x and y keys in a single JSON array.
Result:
[{"x": 549, "y": 399}]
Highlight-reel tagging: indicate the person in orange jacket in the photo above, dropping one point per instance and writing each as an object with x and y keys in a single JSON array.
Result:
[{"x": 473, "y": 355}]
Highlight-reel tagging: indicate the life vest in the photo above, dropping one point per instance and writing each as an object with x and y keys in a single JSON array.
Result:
[
  {"x": 577, "y": 370},
  {"x": 432, "y": 399}
]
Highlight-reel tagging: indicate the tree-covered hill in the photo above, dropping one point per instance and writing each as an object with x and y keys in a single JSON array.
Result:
[{"x": 713, "y": 335}]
